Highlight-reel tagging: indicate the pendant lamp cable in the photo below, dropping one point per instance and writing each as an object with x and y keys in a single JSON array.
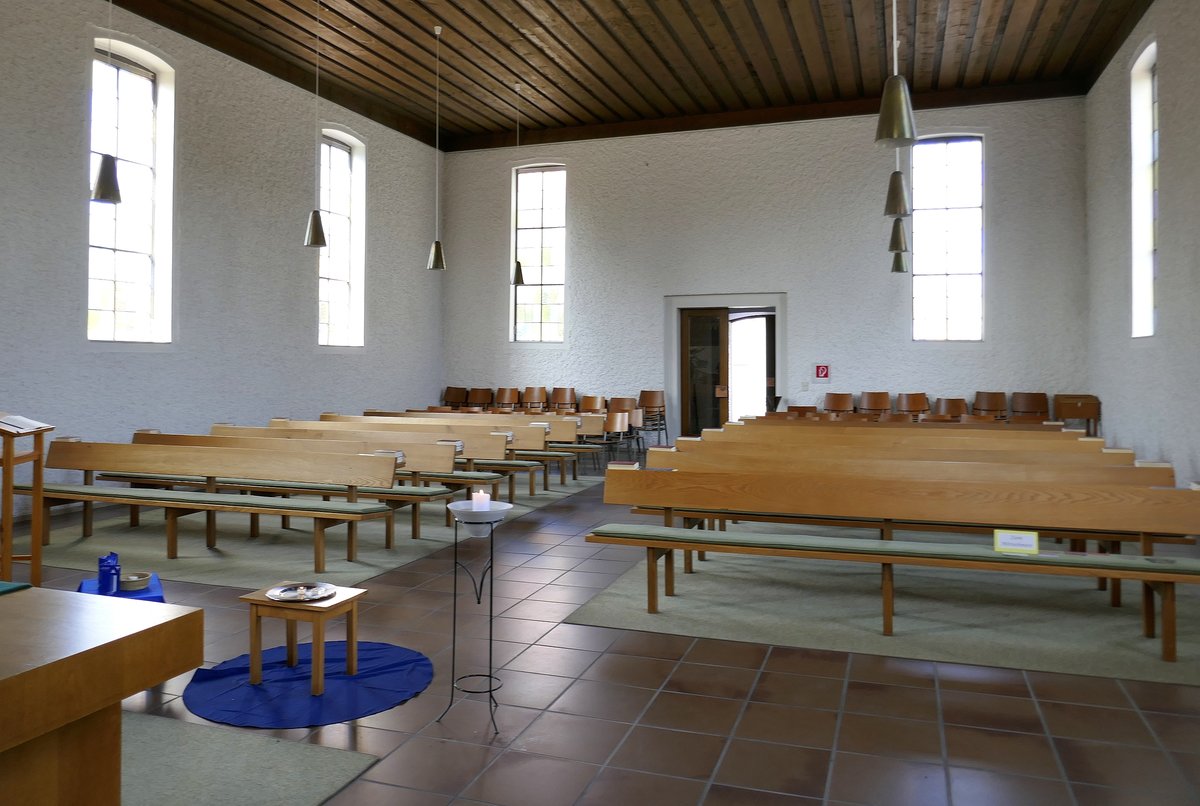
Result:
[
  {"x": 437, "y": 135},
  {"x": 895, "y": 57},
  {"x": 317, "y": 110}
]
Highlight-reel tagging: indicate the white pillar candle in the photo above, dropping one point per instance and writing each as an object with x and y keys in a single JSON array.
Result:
[{"x": 480, "y": 500}]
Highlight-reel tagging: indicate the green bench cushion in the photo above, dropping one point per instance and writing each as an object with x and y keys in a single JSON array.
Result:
[
  {"x": 464, "y": 475},
  {"x": 303, "y": 487},
  {"x": 574, "y": 447},
  {"x": 686, "y": 538},
  {"x": 518, "y": 464},
  {"x": 9, "y": 587},
  {"x": 200, "y": 498},
  {"x": 548, "y": 454}
]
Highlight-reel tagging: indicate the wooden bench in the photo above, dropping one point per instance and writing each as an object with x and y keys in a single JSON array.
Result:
[
  {"x": 345, "y": 475},
  {"x": 436, "y": 462},
  {"x": 553, "y": 428},
  {"x": 523, "y": 438},
  {"x": 1157, "y": 574},
  {"x": 483, "y": 451}
]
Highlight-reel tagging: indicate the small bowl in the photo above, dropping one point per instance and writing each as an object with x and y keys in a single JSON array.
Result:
[{"x": 135, "y": 581}]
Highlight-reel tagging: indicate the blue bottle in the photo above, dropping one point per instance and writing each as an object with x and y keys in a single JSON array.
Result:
[{"x": 109, "y": 579}]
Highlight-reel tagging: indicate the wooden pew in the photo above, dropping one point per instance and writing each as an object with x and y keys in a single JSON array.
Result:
[{"x": 348, "y": 472}]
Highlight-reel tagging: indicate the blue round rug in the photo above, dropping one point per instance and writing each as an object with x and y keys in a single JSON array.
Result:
[{"x": 387, "y": 676}]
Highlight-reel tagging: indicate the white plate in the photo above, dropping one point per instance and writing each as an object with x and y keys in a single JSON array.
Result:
[{"x": 302, "y": 592}]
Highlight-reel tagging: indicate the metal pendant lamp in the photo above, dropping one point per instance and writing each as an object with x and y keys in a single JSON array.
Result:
[
  {"x": 900, "y": 263},
  {"x": 518, "y": 275},
  {"x": 896, "y": 126},
  {"x": 899, "y": 240},
  {"x": 315, "y": 234},
  {"x": 899, "y": 197},
  {"x": 437, "y": 258},
  {"x": 107, "y": 189}
]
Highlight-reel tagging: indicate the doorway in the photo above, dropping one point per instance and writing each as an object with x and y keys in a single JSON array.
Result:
[{"x": 727, "y": 365}]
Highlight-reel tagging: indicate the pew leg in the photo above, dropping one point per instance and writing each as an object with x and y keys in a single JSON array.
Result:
[
  {"x": 1148, "y": 626},
  {"x": 888, "y": 590},
  {"x": 687, "y": 561},
  {"x": 512, "y": 487},
  {"x": 46, "y": 506},
  {"x": 416, "y": 520},
  {"x": 885, "y": 531},
  {"x": 1167, "y": 594},
  {"x": 533, "y": 482},
  {"x": 134, "y": 516},
  {"x": 351, "y": 541},
  {"x": 254, "y": 524},
  {"x": 546, "y": 476},
  {"x": 1146, "y": 544},
  {"x": 652, "y": 555},
  {"x": 389, "y": 530},
  {"x": 496, "y": 490},
  {"x": 450, "y": 515},
  {"x": 1114, "y": 594},
  {"x": 88, "y": 511},
  {"x": 669, "y": 572},
  {"x": 172, "y": 534},
  {"x": 318, "y": 545},
  {"x": 210, "y": 529}
]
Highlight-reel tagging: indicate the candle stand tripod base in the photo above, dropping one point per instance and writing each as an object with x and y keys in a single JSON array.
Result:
[{"x": 476, "y": 523}]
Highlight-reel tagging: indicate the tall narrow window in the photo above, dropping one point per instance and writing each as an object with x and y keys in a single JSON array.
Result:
[
  {"x": 541, "y": 237},
  {"x": 341, "y": 297},
  {"x": 129, "y": 255},
  {"x": 947, "y": 278},
  {"x": 1143, "y": 120}
]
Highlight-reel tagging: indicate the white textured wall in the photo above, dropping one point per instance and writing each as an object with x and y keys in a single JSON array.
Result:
[
  {"x": 1148, "y": 386},
  {"x": 793, "y": 209},
  {"x": 245, "y": 288}
]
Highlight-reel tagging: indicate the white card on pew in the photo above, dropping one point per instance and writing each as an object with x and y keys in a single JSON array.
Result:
[{"x": 1012, "y": 541}]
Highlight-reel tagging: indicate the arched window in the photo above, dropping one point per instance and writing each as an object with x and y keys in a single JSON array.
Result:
[
  {"x": 129, "y": 254},
  {"x": 540, "y": 234},
  {"x": 947, "y": 278},
  {"x": 341, "y": 297},
  {"x": 1143, "y": 130}
]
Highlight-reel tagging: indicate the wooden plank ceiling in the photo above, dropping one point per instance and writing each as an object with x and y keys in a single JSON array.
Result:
[{"x": 600, "y": 68}]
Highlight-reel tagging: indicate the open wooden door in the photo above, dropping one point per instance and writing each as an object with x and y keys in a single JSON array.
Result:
[{"x": 704, "y": 368}]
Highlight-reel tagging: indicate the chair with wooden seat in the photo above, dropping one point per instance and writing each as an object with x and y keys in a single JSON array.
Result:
[
  {"x": 913, "y": 404},
  {"x": 614, "y": 435},
  {"x": 950, "y": 406},
  {"x": 637, "y": 420},
  {"x": 838, "y": 402},
  {"x": 454, "y": 396},
  {"x": 653, "y": 403},
  {"x": 535, "y": 398},
  {"x": 990, "y": 404},
  {"x": 591, "y": 404},
  {"x": 479, "y": 396},
  {"x": 1028, "y": 405},
  {"x": 507, "y": 398},
  {"x": 875, "y": 403},
  {"x": 562, "y": 398}
]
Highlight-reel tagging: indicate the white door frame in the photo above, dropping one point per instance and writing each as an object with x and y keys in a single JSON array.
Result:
[{"x": 675, "y": 303}]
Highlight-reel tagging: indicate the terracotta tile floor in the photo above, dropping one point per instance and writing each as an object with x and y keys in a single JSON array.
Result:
[{"x": 597, "y": 716}]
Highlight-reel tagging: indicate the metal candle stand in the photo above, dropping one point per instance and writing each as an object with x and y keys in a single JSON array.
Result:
[{"x": 475, "y": 520}]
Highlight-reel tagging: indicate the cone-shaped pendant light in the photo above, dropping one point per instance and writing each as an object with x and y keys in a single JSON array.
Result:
[
  {"x": 899, "y": 199},
  {"x": 107, "y": 189},
  {"x": 896, "y": 126},
  {"x": 437, "y": 258},
  {"x": 899, "y": 263},
  {"x": 899, "y": 241},
  {"x": 315, "y": 234},
  {"x": 518, "y": 275}
]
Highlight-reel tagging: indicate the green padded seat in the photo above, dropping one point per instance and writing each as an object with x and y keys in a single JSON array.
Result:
[
  {"x": 152, "y": 496},
  {"x": 313, "y": 487},
  {"x": 519, "y": 464},
  {"x": 687, "y": 538},
  {"x": 464, "y": 475},
  {"x": 548, "y": 454}
]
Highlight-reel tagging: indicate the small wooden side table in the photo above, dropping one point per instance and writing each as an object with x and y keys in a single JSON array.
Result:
[{"x": 344, "y": 602}]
